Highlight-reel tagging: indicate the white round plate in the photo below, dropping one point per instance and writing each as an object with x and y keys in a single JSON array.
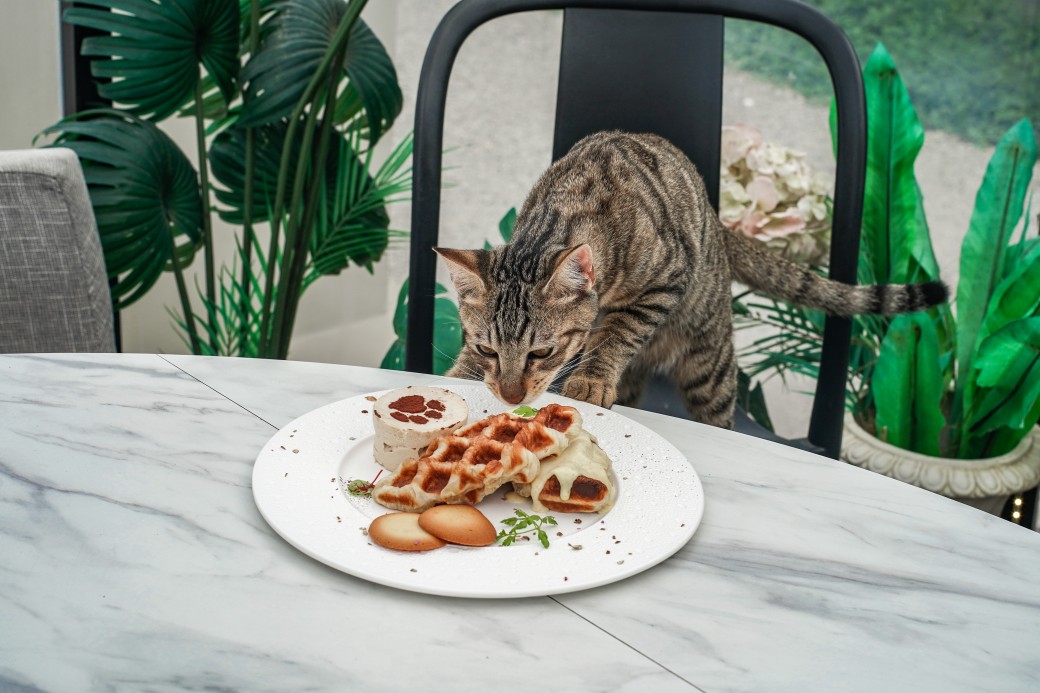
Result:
[{"x": 301, "y": 474}]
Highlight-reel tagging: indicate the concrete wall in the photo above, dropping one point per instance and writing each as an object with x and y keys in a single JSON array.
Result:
[{"x": 30, "y": 70}]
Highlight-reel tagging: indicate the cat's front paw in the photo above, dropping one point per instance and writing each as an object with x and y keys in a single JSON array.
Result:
[{"x": 590, "y": 390}]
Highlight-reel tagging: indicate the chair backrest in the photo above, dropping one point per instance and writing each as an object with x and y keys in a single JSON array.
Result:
[
  {"x": 54, "y": 294},
  {"x": 648, "y": 66}
]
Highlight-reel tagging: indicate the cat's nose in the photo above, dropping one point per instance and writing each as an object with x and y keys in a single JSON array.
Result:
[{"x": 513, "y": 397}]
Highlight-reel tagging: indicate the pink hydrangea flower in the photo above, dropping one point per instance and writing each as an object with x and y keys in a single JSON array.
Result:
[{"x": 768, "y": 192}]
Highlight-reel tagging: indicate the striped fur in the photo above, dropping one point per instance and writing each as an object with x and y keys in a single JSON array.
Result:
[{"x": 618, "y": 256}]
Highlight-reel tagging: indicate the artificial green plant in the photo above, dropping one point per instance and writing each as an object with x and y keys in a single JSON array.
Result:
[
  {"x": 965, "y": 386},
  {"x": 288, "y": 99}
]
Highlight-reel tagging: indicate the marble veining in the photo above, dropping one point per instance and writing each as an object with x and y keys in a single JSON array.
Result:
[{"x": 133, "y": 558}]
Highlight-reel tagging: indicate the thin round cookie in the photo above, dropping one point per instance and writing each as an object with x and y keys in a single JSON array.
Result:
[
  {"x": 401, "y": 532},
  {"x": 458, "y": 524}
]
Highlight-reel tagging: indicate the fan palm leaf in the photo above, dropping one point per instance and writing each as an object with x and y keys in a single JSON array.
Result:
[
  {"x": 145, "y": 195},
  {"x": 291, "y": 53},
  {"x": 150, "y": 62},
  {"x": 227, "y": 157}
]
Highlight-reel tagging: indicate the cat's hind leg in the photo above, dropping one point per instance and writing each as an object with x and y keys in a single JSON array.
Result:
[{"x": 706, "y": 375}]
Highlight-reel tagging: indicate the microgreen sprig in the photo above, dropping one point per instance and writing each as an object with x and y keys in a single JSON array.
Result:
[
  {"x": 360, "y": 487},
  {"x": 525, "y": 411},
  {"x": 524, "y": 524}
]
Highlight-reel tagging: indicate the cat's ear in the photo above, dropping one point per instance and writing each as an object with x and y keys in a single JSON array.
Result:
[
  {"x": 463, "y": 265},
  {"x": 574, "y": 271}
]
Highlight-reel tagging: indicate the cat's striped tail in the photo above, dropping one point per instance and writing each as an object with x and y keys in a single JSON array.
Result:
[{"x": 753, "y": 265}]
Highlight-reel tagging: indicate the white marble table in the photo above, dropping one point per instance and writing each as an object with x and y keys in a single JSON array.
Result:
[{"x": 132, "y": 557}]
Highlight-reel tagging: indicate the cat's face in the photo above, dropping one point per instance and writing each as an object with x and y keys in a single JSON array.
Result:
[{"x": 520, "y": 328}]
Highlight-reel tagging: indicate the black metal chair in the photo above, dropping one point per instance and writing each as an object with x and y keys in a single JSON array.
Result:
[{"x": 650, "y": 66}]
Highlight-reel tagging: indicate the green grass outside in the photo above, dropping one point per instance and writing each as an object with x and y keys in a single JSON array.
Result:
[{"x": 972, "y": 67}]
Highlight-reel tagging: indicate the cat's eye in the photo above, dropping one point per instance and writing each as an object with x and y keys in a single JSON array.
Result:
[
  {"x": 486, "y": 351},
  {"x": 542, "y": 353}
]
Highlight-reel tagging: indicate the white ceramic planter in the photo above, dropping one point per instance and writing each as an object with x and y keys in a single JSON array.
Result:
[{"x": 982, "y": 483}]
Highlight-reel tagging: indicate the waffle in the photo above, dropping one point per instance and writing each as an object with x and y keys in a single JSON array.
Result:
[{"x": 477, "y": 459}]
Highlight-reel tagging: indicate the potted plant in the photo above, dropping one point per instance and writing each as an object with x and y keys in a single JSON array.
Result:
[
  {"x": 289, "y": 99},
  {"x": 947, "y": 402}
]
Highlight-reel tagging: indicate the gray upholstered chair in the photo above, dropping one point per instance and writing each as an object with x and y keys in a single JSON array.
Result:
[{"x": 53, "y": 286}]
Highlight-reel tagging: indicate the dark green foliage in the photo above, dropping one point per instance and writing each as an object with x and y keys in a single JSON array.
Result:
[
  {"x": 967, "y": 387},
  {"x": 447, "y": 332},
  {"x": 293, "y": 149},
  {"x": 145, "y": 195},
  {"x": 151, "y": 62},
  {"x": 291, "y": 52}
]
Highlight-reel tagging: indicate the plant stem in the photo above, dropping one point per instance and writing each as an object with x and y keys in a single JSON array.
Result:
[
  {"x": 182, "y": 293},
  {"x": 339, "y": 41},
  {"x": 207, "y": 218},
  {"x": 248, "y": 234},
  {"x": 305, "y": 228},
  {"x": 293, "y": 231}
]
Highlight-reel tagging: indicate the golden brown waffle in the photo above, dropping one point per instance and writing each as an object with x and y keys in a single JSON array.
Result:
[{"x": 478, "y": 459}]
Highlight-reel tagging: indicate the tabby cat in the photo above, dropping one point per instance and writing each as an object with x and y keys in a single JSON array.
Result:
[{"x": 617, "y": 253}]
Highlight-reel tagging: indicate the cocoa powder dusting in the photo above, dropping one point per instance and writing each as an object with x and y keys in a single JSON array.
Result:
[{"x": 411, "y": 404}]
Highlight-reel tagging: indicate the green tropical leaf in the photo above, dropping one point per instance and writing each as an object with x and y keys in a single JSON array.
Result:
[
  {"x": 753, "y": 400},
  {"x": 214, "y": 105},
  {"x": 908, "y": 385},
  {"x": 372, "y": 83},
  {"x": 995, "y": 364},
  {"x": 1017, "y": 296},
  {"x": 447, "y": 332},
  {"x": 266, "y": 7},
  {"x": 236, "y": 314},
  {"x": 998, "y": 207},
  {"x": 1014, "y": 252},
  {"x": 297, "y": 38},
  {"x": 1007, "y": 370},
  {"x": 353, "y": 223},
  {"x": 227, "y": 155},
  {"x": 290, "y": 55},
  {"x": 895, "y": 246},
  {"x": 227, "y": 161},
  {"x": 145, "y": 195},
  {"x": 150, "y": 62},
  {"x": 506, "y": 225}
]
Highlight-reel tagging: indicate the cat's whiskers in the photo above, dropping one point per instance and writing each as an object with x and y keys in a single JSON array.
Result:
[
  {"x": 586, "y": 357},
  {"x": 468, "y": 372}
]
